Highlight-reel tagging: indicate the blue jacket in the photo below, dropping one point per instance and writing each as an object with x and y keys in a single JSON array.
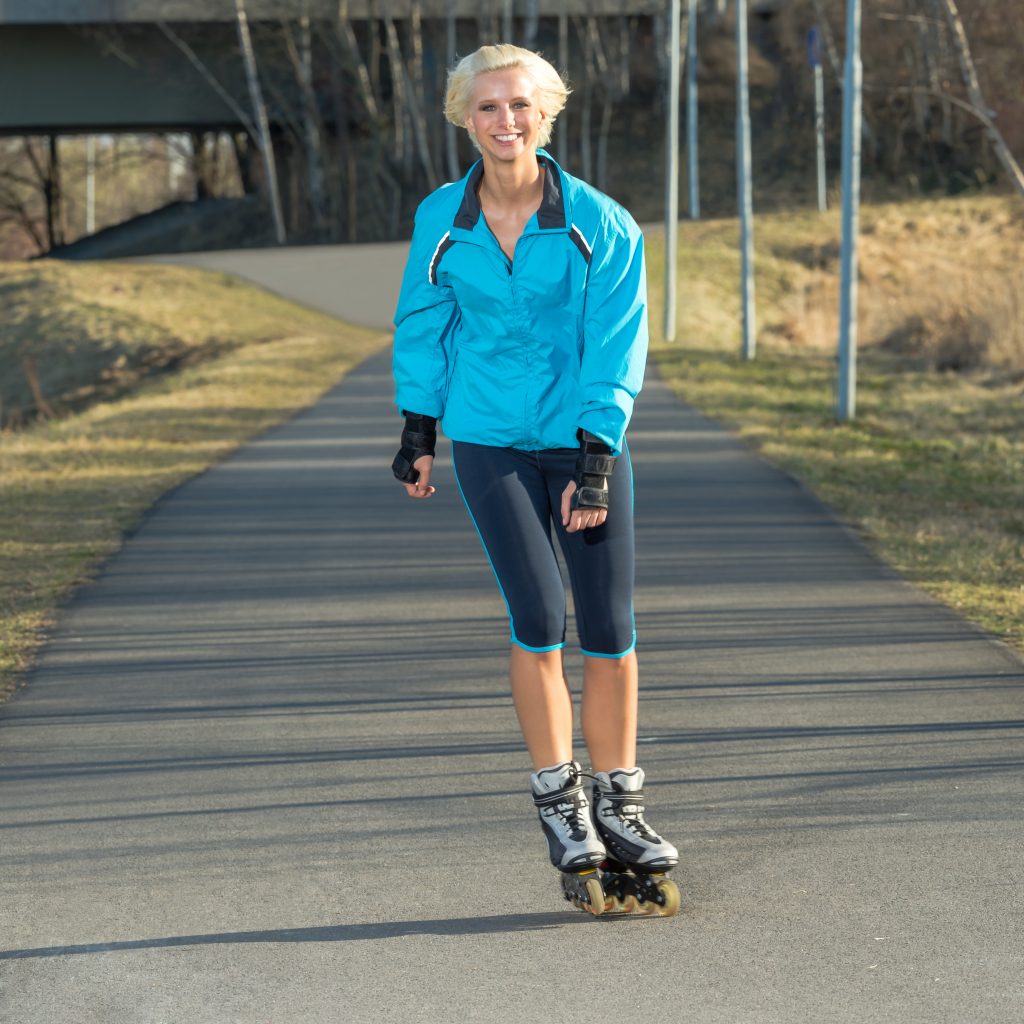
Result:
[{"x": 519, "y": 354}]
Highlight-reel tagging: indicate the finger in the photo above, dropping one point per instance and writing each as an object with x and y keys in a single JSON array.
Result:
[
  {"x": 567, "y": 501},
  {"x": 424, "y": 465}
]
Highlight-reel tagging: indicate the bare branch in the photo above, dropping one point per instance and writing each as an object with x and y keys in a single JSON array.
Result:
[{"x": 208, "y": 77}]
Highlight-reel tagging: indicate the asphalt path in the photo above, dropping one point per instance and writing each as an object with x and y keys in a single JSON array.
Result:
[{"x": 268, "y": 769}]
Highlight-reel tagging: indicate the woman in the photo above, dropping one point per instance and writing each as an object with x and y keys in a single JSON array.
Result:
[{"x": 522, "y": 325}]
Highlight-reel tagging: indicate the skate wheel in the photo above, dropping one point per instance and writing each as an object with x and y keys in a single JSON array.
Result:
[
  {"x": 628, "y": 904},
  {"x": 670, "y": 893},
  {"x": 595, "y": 897}
]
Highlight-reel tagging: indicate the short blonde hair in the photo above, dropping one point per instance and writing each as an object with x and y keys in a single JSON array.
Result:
[{"x": 552, "y": 91}]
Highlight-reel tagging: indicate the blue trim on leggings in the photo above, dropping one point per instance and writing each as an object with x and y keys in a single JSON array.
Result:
[
  {"x": 537, "y": 650},
  {"x": 629, "y": 650}
]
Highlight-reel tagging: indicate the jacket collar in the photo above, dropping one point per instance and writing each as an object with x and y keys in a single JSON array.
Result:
[{"x": 552, "y": 214}]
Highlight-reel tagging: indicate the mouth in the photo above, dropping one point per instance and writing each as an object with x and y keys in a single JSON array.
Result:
[{"x": 508, "y": 139}]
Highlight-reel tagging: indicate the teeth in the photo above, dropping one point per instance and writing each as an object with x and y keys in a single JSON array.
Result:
[{"x": 506, "y": 138}]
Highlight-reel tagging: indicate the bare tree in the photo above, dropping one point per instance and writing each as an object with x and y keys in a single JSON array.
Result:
[
  {"x": 979, "y": 107},
  {"x": 47, "y": 173},
  {"x": 301, "y": 57},
  {"x": 450, "y": 133},
  {"x": 260, "y": 109}
]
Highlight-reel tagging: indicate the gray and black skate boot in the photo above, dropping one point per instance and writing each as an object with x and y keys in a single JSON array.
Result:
[
  {"x": 573, "y": 846},
  {"x": 619, "y": 817},
  {"x": 564, "y": 812},
  {"x": 633, "y": 877}
]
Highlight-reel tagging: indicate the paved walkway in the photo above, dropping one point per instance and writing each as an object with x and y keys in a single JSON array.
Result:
[{"x": 268, "y": 769}]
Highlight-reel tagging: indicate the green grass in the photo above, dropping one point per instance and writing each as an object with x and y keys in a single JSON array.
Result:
[
  {"x": 931, "y": 470},
  {"x": 71, "y": 486}
]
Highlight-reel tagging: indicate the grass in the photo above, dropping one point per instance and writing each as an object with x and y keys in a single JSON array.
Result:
[
  {"x": 70, "y": 487},
  {"x": 932, "y": 469}
]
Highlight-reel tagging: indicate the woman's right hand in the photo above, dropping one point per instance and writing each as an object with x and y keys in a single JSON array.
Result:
[
  {"x": 424, "y": 465},
  {"x": 415, "y": 459}
]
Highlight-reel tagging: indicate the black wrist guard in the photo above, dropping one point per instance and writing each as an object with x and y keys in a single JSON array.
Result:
[
  {"x": 594, "y": 465},
  {"x": 418, "y": 439}
]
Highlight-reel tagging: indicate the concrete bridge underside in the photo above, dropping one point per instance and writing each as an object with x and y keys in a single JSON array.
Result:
[{"x": 70, "y": 66}]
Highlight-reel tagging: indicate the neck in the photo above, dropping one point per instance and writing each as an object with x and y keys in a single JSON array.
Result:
[{"x": 511, "y": 183}]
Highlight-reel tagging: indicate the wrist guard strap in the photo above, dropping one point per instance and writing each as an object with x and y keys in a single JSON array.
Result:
[
  {"x": 418, "y": 439},
  {"x": 594, "y": 465}
]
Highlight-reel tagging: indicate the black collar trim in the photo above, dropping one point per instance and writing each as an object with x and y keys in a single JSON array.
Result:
[{"x": 550, "y": 214}]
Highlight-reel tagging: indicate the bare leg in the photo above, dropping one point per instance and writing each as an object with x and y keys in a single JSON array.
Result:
[
  {"x": 543, "y": 704},
  {"x": 610, "y": 711}
]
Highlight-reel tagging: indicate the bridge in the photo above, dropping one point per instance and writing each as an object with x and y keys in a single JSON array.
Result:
[{"x": 78, "y": 66}]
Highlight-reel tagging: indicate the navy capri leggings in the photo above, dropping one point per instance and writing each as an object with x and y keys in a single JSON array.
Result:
[{"x": 514, "y": 499}]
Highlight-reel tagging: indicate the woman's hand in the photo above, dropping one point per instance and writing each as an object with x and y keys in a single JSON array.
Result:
[
  {"x": 581, "y": 518},
  {"x": 422, "y": 488},
  {"x": 415, "y": 459}
]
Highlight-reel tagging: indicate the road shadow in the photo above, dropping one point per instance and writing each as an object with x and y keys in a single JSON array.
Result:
[{"x": 498, "y": 923}]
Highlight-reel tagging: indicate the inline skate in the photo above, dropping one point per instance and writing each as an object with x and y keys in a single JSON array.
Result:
[
  {"x": 633, "y": 875},
  {"x": 573, "y": 845}
]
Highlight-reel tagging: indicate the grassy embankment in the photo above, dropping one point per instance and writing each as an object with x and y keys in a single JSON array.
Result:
[
  {"x": 932, "y": 469},
  {"x": 168, "y": 369}
]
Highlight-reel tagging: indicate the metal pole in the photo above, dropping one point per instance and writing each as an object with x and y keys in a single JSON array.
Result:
[
  {"x": 846, "y": 391},
  {"x": 672, "y": 176},
  {"x": 90, "y": 184},
  {"x": 746, "y": 203},
  {"x": 814, "y": 59},
  {"x": 819, "y": 129},
  {"x": 692, "y": 166}
]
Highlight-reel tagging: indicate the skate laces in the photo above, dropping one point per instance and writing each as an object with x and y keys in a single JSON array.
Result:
[
  {"x": 568, "y": 804},
  {"x": 571, "y": 814},
  {"x": 628, "y": 808}
]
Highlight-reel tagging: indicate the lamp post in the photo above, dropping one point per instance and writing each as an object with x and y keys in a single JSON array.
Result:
[
  {"x": 672, "y": 176},
  {"x": 846, "y": 390},
  {"x": 743, "y": 175}
]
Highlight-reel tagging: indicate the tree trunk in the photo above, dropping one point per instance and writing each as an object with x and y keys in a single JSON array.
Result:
[
  {"x": 260, "y": 110},
  {"x": 586, "y": 161},
  {"x": 530, "y": 24},
  {"x": 301, "y": 57},
  {"x": 563, "y": 67},
  {"x": 348, "y": 35},
  {"x": 451, "y": 138},
  {"x": 406, "y": 98},
  {"x": 982, "y": 110}
]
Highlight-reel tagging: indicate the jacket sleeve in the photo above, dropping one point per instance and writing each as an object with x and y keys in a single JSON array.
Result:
[
  {"x": 614, "y": 331},
  {"x": 425, "y": 322}
]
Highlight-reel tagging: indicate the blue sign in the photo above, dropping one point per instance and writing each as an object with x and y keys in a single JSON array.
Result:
[{"x": 814, "y": 48}]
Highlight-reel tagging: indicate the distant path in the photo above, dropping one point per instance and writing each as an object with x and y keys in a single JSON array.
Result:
[
  {"x": 268, "y": 769},
  {"x": 358, "y": 283}
]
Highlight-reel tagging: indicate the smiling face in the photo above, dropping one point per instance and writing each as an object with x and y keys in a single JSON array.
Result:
[{"x": 504, "y": 113}]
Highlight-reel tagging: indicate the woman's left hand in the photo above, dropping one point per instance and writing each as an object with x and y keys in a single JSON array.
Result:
[{"x": 580, "y": 518}]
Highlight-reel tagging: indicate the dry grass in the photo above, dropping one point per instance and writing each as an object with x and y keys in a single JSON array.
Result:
[
  {"x": 72, "y": 486},
  {"x": 932, "y": 470},
  {"x": 94, "y": 330}
]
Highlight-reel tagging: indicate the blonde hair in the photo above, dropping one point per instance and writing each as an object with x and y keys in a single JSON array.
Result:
[{"x": 552, "y": 91}]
